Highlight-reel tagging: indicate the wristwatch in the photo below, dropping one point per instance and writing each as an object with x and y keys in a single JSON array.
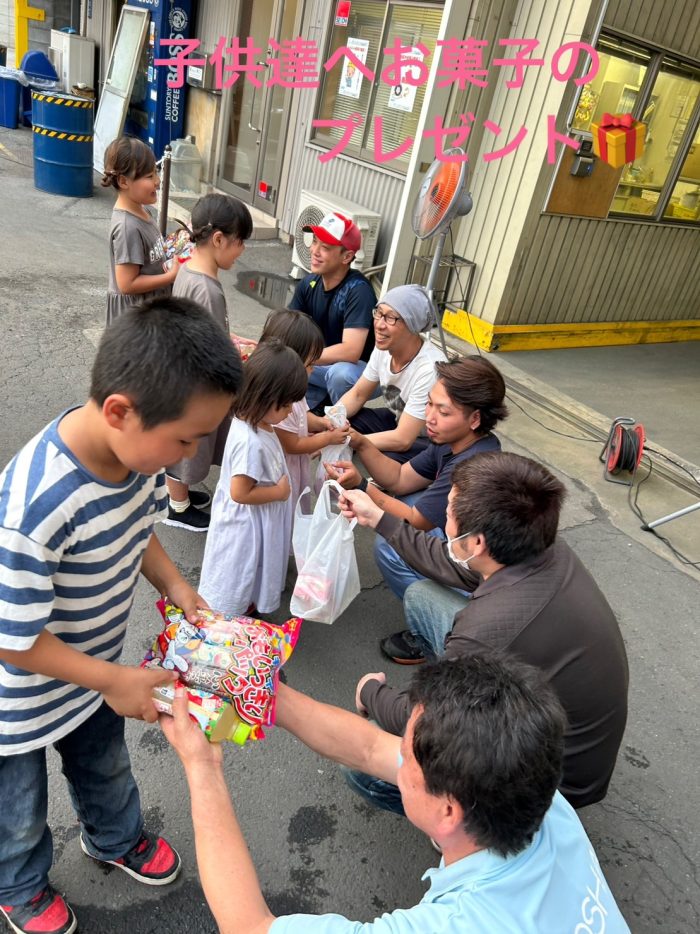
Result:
[{"x": 362, "y": 485}]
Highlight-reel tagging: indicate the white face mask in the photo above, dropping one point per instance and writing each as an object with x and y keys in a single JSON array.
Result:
[{"x": 461, "y": 562}]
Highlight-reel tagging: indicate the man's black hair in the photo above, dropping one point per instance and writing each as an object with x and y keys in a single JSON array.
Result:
[
  {"x": 513, "y": 501},
  {"x": 489, "y": 733},
  {"x": 160, "y": 354}
]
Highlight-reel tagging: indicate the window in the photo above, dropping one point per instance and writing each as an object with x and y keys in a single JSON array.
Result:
[
  {"x": 373, "y": 25},
  {"x": 662, "y": 92}
]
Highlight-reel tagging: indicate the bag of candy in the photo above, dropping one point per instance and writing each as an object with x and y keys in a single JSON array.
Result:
[
  {"x": 230, "y": 665},
  {"x": 324, "y": 551}
]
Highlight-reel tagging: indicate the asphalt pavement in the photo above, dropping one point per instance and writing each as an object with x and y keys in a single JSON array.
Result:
[{"x": 316, "y": 846}]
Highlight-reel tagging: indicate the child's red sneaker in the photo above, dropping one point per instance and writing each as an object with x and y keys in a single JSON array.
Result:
[
  {"x": 152, "y": 861},
  {"x": 46, "y": 913}
]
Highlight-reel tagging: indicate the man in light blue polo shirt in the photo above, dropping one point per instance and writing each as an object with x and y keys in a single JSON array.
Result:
[{"x": 477, "y": 767}]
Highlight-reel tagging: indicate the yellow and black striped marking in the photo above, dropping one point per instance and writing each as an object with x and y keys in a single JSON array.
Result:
[
  {"x": 58, "y": 134},
  {"x": 66, "y": 101}
]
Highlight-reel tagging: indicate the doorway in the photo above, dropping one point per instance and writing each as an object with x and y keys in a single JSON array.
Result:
[{"x": 256, "y": 122}]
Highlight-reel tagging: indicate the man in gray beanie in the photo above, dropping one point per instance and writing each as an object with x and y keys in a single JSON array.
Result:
[{"x": 403, "y": 365}]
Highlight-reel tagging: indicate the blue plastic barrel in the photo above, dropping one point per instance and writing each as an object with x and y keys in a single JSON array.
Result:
[{"x": 62, "y": 128}]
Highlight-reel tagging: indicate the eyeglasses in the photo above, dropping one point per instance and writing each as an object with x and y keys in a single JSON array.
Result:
[{"x": 391, "y": 320}]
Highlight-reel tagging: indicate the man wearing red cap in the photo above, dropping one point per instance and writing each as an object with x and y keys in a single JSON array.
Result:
[{"x": 340, "y": 300}]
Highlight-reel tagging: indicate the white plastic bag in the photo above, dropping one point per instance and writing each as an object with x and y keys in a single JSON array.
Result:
[
  {"x": 332, "y": 452},
  {"x": 324, "y": 549}
]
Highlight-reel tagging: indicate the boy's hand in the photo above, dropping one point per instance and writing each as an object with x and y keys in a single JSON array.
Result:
[
  {"x": 186, "y": 738},
  {"x": 186, "y": 597},
  {"x": 131, "y": 693},
  {"x": 344, "y": 472},
  {"x": 283, "y": 489}
]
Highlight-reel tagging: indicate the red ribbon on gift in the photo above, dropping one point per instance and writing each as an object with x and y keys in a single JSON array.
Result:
[
  {"x": 617, "y": 121},
  {"x": 612, "y": 120}
]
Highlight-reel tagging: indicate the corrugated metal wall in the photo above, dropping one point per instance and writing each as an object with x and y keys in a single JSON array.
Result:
[
  {"x": 577, "y": 270},
  {"x": 504, "y": 189},
  {"x": 214, "y": 19},
  {"x": 673, "y": 25},
  {"x": 581, "y": 270}
]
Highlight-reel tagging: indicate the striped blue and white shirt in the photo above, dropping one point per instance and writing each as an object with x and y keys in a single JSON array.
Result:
[{"x": 71, "y": 547}]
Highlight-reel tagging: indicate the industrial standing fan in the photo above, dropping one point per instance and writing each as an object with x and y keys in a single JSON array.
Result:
[{"x": 441, "y": 198}]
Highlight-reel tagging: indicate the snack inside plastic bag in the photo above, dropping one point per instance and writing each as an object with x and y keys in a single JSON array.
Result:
[
  {"x": 230, "y": 666},
  {"x": 332, "y": 452}
]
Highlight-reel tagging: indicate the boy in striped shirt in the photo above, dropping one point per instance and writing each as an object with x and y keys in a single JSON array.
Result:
[{"x": 77, "y": 509}]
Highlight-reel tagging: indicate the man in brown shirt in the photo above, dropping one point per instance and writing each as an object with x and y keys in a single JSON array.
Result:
[{"x": 531, "y": 597}]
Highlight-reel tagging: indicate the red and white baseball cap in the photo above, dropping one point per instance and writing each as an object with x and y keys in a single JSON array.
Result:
[{"x": 337, "y": 230}]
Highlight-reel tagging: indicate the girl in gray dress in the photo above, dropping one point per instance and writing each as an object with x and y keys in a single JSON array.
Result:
[
  {"x": 138, "y": 269},
  {"x": 220, "y": 226}
]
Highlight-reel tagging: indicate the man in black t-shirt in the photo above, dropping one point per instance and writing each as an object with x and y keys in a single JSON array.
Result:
[
  {"x": 464, "y": 405},
  {"x": 340, "y": 300}
]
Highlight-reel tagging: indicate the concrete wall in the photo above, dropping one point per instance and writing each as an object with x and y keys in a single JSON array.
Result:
[{"x": 7, "y": 28}]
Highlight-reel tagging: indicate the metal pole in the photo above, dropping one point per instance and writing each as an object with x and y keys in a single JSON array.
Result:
[
  {"x": 164, "y": 188},
  {"x": 674, "y": 515},
  {"x": 432, "y": 278}
]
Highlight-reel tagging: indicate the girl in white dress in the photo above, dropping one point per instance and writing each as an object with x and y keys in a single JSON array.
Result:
[
  {"x": 247, "y": 550},
  {"x": 302, "y": 434}
]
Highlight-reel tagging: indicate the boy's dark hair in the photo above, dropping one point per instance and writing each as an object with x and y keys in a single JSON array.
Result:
[
  {"x": 127, "y": 156},
  {"x": 273, "y": 376},
  {"x": 220, "y": 212},
  {"x": 473, "y": 383},
  {"x": 513, "y": 501},
  {"x": 161, "y": 353},
  {"x": 489, "y": 734},
  {"x": 296, "y": 330}
]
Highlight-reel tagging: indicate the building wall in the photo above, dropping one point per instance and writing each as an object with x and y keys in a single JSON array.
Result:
[
  {"x": 378, "y": 189},
  {"x": 671, "y": 25},
  {"x": 7, "y": 28},
  {"x": 578, "y": 270},
  {"x": 505, "y": 190}
]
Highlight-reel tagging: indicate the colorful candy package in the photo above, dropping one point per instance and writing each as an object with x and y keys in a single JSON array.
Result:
[{"x": 230, "y": 665}]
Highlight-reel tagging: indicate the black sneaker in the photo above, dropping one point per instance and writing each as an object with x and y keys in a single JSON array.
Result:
[
  {"x": 403, "y": 648},
  {"x": 152, "y": 860},
  {"x": 192, "y": 519},
  {"x": 199, "y": 498}
]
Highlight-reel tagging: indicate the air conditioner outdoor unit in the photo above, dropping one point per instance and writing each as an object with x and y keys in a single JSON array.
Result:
[{"x": 313, "y": 205}]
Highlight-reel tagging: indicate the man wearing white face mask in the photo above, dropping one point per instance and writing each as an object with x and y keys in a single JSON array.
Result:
[{"x": 531, "y": 597}]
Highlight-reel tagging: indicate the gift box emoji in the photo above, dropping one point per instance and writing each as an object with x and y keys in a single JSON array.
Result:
[{"x": 618, "y": 139}]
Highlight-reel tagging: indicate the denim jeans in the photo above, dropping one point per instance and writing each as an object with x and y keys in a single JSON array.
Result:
[
  {"x": 397, "y": 574},
  {"x": 375, "y": 791},
  {"x": 95, "y": 762},
  {"x": 429, "y": 610},
  {"x": 333, "y": 380}
]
